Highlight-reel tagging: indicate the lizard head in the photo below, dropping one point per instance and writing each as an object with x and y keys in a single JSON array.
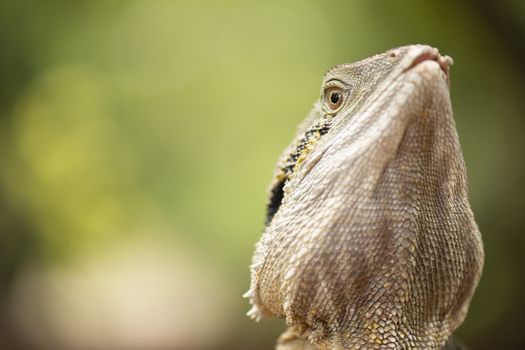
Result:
[
  {"x": 345, "y": 89},
  {"x": 370, "y": 240}
]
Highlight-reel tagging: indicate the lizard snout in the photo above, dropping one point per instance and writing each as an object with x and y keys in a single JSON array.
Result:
[{"x": 431, "y": 54}]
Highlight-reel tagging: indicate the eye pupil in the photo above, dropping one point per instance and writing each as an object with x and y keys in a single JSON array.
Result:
[{"x": 334, "y": 97}]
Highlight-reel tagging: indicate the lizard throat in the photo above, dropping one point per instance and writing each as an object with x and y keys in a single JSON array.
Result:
[{"x": 302, "y": 149}]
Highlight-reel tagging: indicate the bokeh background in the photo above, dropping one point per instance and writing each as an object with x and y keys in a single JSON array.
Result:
[{"x": 137, "y": 139}]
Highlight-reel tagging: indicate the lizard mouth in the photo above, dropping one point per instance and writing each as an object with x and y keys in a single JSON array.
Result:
[{"x": 444, "y": 62}]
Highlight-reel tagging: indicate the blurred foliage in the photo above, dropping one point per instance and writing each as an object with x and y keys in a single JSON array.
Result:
[{"x": 160, "y": 121}]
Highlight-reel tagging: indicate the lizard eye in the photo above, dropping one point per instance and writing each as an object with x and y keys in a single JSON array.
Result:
[{"x": 333, "y": 97}]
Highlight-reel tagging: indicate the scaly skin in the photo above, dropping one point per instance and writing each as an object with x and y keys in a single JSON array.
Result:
[{"x": 370, "y": 240}]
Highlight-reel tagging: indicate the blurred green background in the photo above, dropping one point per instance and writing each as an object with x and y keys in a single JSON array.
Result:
[{"x": 137, "y": 139}]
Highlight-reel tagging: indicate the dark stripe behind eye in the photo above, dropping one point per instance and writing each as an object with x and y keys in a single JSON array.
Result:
[{"x": 276, "y": 198}]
